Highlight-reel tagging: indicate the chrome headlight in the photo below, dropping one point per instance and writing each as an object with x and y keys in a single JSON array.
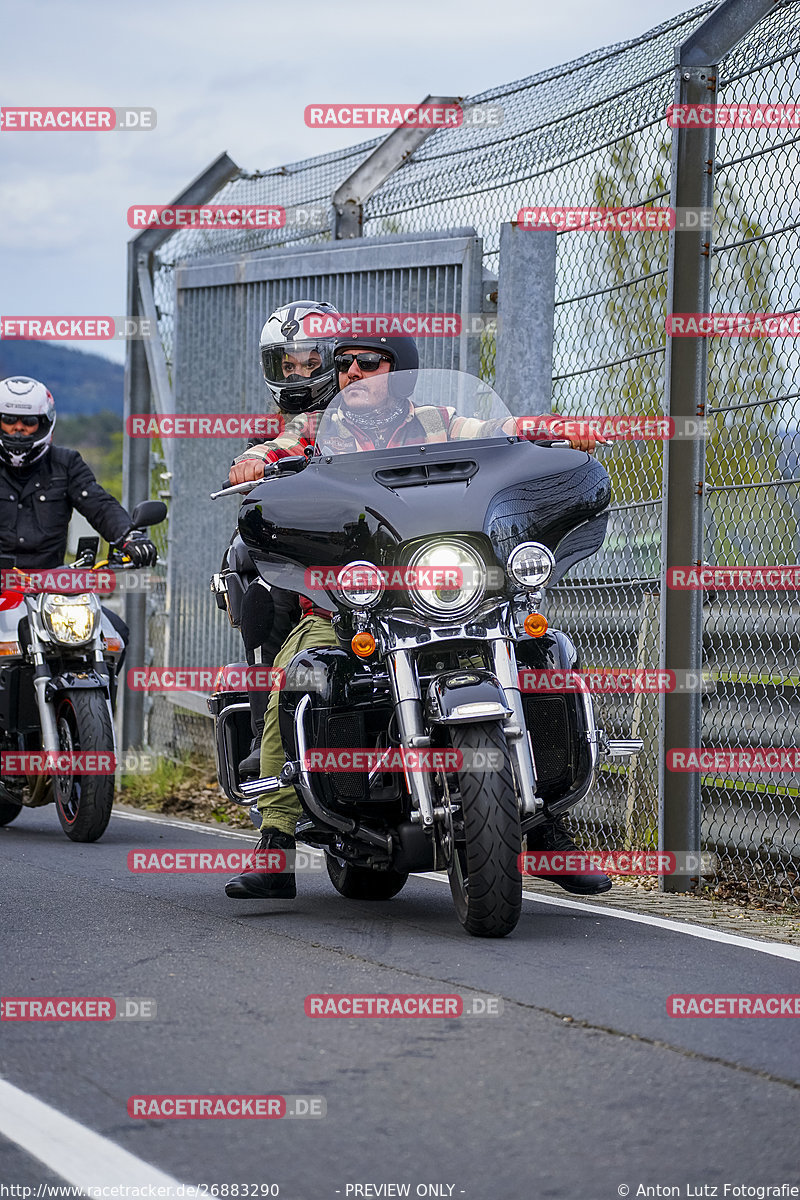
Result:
[
  {"x": 71, "y": 620},
  {"x": 530, "y": 564},
  {"x": 446, "y": 579},
  {"x": 361, "y": 584}
]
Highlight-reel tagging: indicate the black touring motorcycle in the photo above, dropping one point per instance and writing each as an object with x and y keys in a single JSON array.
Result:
[{"x": 432, "y": 556}]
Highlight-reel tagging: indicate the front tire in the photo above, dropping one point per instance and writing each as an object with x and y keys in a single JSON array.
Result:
[
  {"x": 362, "y": 883},
  {"x": 84, "y": 802},
  {"x": 483, "y": 859},
  {"x": 9, "y": 811}
]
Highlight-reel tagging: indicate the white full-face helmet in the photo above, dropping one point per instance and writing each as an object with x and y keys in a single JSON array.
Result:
[
  {"x": 296, "y": 350},
  {"x": 24, "y": 399}
]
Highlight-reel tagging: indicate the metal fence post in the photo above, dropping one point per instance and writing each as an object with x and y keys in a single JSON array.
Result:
[
  {"x": 145, "y": 369},
  {"x": 526, "y": 291},
  {"x": 135, "y": 487},
  {"x": 686, "y": 373}
]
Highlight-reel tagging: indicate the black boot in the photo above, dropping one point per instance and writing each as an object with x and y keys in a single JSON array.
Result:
[
  {"x": 255, "y": 884},
  {"x": 553, "y": 835},
  {"x": 250, "y": 767}
]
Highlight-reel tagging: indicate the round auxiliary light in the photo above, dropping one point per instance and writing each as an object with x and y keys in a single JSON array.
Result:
[
  {"x": 360, "y": 583},
  {"x": 530, "y": 564}
]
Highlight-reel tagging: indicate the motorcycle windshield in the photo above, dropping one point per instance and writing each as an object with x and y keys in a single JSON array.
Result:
[
  {"x": 407, "y": 456},
  {"x": 383, "y": 411}
]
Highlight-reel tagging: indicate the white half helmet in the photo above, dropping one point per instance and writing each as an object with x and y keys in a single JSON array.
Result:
[
  {"x": 296, "y": 349},
  {"x": 25, "y": 398}
]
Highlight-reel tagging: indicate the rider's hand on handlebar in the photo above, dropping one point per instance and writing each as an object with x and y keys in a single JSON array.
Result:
[
  {"x": 585, "y": 441},
  {"x": 246, "y": 471}
]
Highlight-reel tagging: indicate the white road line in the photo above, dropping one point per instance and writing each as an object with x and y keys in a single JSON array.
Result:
[
  {"x": 83, "y": 1158},
  {"x": 699, "y": 931},
  {"x": 776, "y": 949},
  {"x": 188, "y": 826}
]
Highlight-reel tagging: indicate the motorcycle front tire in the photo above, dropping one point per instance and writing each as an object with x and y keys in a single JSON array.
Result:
[{"x": 84, "y": 802}]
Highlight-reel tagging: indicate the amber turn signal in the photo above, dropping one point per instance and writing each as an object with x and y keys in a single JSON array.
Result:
[
  {"x": 363, "y": 644},
  {"x": 535, "y": 625}
]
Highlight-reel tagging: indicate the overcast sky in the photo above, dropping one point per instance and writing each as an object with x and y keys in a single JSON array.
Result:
[{"x": 230, "y": 75}]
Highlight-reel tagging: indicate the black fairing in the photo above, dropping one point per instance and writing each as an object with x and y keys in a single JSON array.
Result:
[
  {"x": 346, "y": 507},
  {"x": 556, "y": 722}
]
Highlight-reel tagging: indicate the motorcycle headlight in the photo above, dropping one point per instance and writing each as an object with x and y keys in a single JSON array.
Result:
[
  {"x": 70, "y": 619},
  {"x": 530, "y": 564},
  {"x": 360, "y": 583},
  {"x": 446, "y": 579}
]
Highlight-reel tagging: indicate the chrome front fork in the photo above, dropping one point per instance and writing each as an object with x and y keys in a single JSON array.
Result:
[
  {"x": 504, "y": 661},
  {"x": 404, "y": 682}
]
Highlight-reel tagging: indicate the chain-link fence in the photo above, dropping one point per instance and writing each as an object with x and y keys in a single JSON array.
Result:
[{"x": 594, "y": 133}]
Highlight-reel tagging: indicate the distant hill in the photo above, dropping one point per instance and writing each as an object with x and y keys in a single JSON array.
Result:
[{"x": 81, "y": 383}]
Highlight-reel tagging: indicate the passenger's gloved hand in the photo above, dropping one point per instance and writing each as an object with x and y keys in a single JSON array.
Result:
[{"x": 140, "y": 549}]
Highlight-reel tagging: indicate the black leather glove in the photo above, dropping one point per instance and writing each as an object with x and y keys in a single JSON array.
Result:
[{"x": 140, "y": 549}]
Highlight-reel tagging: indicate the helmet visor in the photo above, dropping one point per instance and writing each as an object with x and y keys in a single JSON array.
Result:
[{"x": 294, "y": 362}]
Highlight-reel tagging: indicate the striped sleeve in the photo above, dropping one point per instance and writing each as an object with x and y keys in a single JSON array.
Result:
[{"x": 297, "y": 434}]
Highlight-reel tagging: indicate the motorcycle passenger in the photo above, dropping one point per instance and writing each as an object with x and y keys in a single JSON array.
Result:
[
  {"x": 299, "y": 372},
  {"x": 41, "y": 484},
  {"x": 370, "y": 427}
]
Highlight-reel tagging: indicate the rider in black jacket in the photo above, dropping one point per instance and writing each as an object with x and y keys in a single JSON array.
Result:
[{"x": 41, "y": 484}]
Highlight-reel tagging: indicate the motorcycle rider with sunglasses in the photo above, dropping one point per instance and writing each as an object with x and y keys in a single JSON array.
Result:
[{"x": 369, "y": 428}]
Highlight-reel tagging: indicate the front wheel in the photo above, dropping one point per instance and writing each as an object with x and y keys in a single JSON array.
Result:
[
  {"x": 482, "y": 838},
  {"x": 83, "y": 802},
  {"x": 9, "y": 811},
  {"x": 362, "y": 883}
]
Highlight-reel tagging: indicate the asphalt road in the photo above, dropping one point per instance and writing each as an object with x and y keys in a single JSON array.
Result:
[{"x": 581, "y": 1086}]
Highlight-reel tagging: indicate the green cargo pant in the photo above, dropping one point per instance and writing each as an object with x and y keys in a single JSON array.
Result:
[{"x": 281, "y": 809}]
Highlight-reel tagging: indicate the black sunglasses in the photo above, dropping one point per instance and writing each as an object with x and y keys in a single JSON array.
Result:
[
  {"x": 12, "y": 418},
  {"x": 366, "y": 361}
]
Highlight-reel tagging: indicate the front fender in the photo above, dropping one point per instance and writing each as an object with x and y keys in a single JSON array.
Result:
[
  {"x": 70, "y": 681},
  {"x": 464, "y": 697}
]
